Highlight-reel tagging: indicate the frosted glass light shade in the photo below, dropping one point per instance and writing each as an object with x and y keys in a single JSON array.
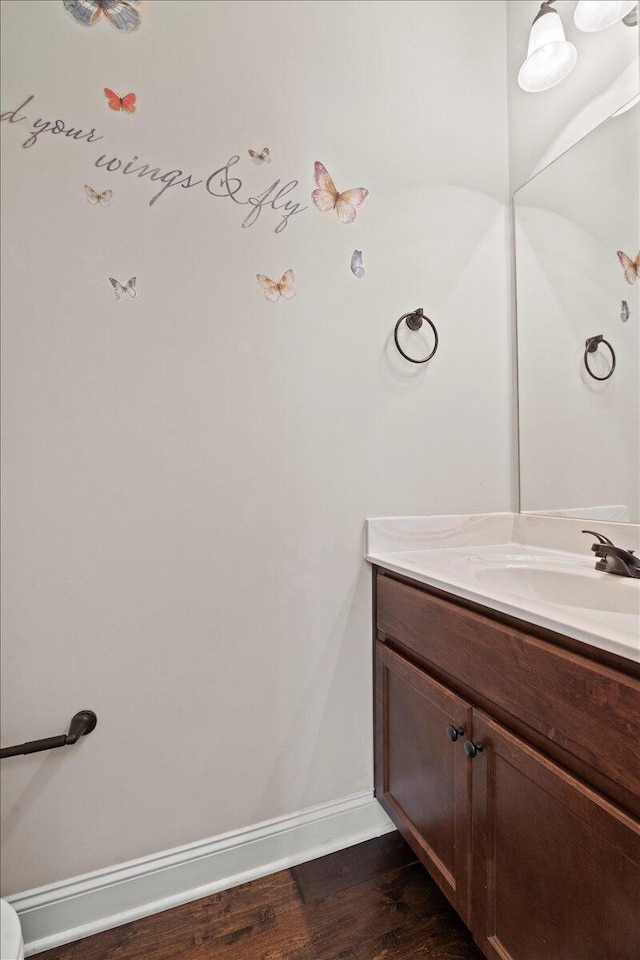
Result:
[
  {"x": 592, "y": 15},
  {"x": 550, "y": 58}
]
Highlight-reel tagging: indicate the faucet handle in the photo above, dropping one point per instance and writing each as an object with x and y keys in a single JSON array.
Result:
[
  {"x": 614, "y": 559},
  {"x": 600, "y": 537}
]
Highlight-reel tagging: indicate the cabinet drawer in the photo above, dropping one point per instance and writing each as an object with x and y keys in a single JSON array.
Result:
[{"x": 590, "y": 710}]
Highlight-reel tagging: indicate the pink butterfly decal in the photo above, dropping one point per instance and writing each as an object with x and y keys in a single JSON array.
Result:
[
  {"x": 631, "y": 267},
  {"x": 326, "y": 197}
]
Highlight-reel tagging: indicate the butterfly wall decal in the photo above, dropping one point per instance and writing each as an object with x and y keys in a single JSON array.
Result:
[
  {"x": 263, "y": 157},
  {"x": 122, "y": 14},
  {"x": 126, "y": 103},
  {"x": 631, "y": 267},
  {"x": 326, "y": 197},
  {"x": 285, "y": 286},
  {"x": 120, "y": 289},
  {"x": 357, "y": 266},
  {"x": 624, "y": 311},
  {"x": 93, "y": 197}
]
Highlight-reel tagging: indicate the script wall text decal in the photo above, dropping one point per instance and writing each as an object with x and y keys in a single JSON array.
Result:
[{"x": 217, "y": 184}]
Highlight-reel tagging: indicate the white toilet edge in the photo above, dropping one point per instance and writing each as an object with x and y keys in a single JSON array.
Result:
[{"x": 11, "y": 943}]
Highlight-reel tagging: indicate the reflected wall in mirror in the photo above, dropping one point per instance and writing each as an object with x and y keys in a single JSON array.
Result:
[{"x": 579, "y": 436}]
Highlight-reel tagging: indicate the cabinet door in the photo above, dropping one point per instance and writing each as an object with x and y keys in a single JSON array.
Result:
[
  {"x": 422, "y": 777},
  {"x": 556, "y": 868}
]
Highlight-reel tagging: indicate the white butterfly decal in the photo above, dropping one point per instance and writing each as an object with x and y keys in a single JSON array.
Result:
[
  {"x": 284, "y": 287},
  {"x": 357, "y": 266},
  {"x": 263, "y": 157},
  {"x": 121, "y": 13},
  {"x": 120, "y": 289},
  {"x": 93, "y": 197}
]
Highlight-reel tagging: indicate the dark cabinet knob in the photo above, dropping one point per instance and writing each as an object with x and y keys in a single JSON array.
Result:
[
  {"x": 454, "y": 732},
  {"x": 471, "y": 749}
]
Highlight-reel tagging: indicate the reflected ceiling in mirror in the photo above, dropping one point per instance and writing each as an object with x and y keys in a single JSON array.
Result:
[{"x": 580, "y": 433}]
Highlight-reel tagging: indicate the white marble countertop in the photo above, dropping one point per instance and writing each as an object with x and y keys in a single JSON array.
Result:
[{"x": 471, "y": 556}]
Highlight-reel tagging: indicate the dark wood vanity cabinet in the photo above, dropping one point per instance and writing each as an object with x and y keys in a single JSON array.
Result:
[
  {"x": 421, "y": 782},
  {"x": 523, "y": 804}
]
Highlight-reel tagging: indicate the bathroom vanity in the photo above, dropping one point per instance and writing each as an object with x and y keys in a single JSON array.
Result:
[{"x": 507, "y": 753}]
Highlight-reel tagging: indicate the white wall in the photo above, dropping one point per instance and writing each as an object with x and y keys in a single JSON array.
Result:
[{"x": 186, "y": 476}]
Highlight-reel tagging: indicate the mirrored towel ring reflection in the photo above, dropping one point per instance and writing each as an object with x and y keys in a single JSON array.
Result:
[
  {"x": 591, "y": 345},
  {"x": 414, "y": 321}
]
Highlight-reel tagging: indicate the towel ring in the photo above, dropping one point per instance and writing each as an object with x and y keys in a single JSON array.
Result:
[
  {"x": 414, "y": 322},
  {"x": 591, "y": 345}
]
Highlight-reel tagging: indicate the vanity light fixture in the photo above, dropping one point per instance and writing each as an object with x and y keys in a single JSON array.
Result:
[
  {"x": 550, "y": 57},
  {"x": 593, "y": 15}
]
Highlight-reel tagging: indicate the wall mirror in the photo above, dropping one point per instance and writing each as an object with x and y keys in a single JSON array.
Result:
[{"x": 580, "y": 435}]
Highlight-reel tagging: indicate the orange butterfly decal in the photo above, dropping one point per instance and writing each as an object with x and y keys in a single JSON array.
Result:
[
  {"x": 326, "y": 197},
  {"x": 631, "y": 267},
  {"x": 126, "y": 103},
  {"x": 284, "y": 287}
]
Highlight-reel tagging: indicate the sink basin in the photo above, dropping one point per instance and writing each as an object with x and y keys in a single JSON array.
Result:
[
  {"x": 536, "y": 569},
  {"x": 588, "y": 590}
]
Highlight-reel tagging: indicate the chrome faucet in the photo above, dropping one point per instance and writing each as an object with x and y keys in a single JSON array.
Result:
[{"x": 614, "y": 559}]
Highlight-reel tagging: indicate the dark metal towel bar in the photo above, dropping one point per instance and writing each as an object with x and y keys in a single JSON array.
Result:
[{"x": 81, "y": 724}]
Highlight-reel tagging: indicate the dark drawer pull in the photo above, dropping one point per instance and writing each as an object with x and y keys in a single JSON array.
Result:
[
  {"x": 454, "y": 732},
  {"x": 471, "y": 749}
]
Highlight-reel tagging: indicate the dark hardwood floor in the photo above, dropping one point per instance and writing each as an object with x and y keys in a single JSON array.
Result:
[{"x": 373, "y": 901}]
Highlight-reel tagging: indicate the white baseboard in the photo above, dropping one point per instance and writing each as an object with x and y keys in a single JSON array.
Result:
[{"x": 72, "y": 909}]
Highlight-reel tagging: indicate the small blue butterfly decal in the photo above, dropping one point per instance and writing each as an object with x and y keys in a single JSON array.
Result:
[
  {"x": 357, "y": 266},
  {"x": 122, "y": 14}
]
